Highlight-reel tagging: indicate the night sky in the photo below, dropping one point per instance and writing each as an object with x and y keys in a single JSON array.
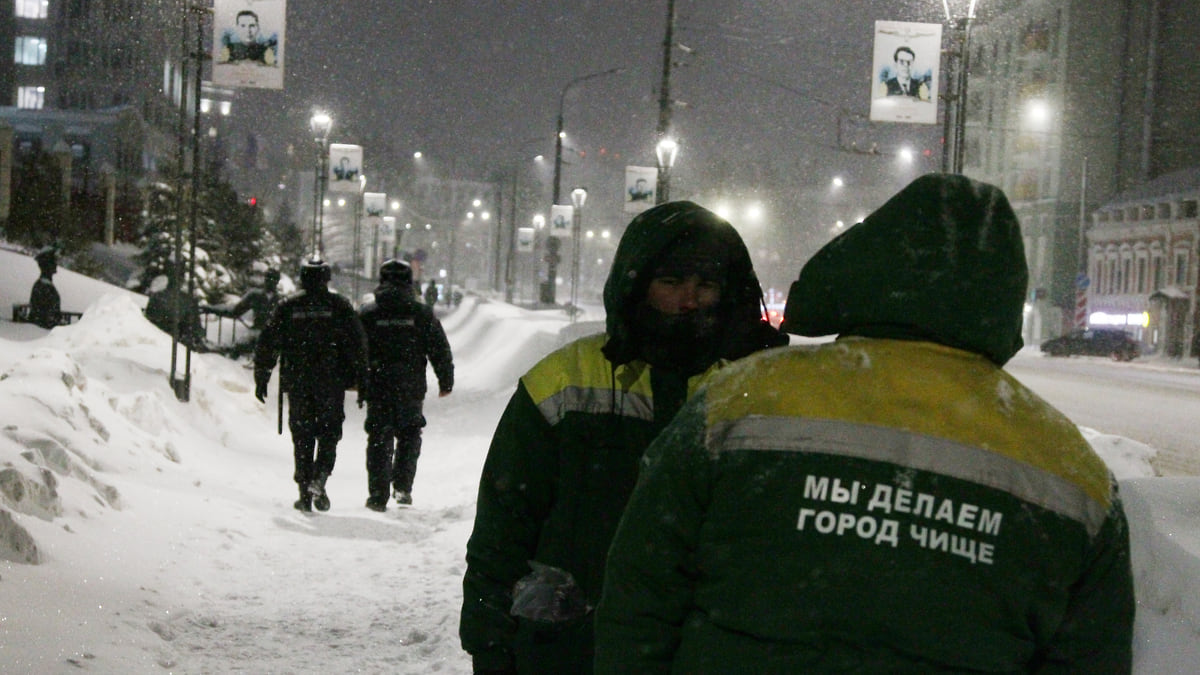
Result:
[{"x": 476, "y": 85}]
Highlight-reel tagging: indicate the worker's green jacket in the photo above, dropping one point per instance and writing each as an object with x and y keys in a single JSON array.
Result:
[
  {"x": 563, "y": 461},
  {"x": 869, "y": 506}
]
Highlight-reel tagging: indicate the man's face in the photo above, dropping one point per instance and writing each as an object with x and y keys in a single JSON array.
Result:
[
  {"x": 682, "y": 294},
  {"x": 247, "y": 27},
  {"x": 904, "y": 65}
]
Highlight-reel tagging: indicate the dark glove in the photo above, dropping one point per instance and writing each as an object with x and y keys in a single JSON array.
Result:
[{"x": 260, "y": 391}]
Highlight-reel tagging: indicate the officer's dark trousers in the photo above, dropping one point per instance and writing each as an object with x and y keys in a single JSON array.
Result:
[
  {"x": 393, "y": 445},
  {"x": 315, "y": 420}
]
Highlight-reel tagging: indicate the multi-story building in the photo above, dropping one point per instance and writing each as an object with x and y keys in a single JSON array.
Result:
[
  {"x": 100, "y": 78},
  {"x": 1070, "y": 103},
  {"x": 1143, "y": 262}
]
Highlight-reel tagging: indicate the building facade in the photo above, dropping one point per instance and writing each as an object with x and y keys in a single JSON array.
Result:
[
  {"x": 1143, "y": 262},
  {"x": 1070, "y": 103},
  {"x": 102, "y": 78}
]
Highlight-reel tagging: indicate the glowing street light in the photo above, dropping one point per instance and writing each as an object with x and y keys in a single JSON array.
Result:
[
  {"x": 665, "y": 151},
  {"x": 578, "y": 197},
  {"x": 320, "y": 124}
]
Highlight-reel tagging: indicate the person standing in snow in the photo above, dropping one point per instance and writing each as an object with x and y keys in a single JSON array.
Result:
[
  {"x": 161, "y": 311},
  {"x": 431, "y": 293},
  {"x": 45, "y": 306},
  {"x": 260, "y": 302},
  {"x": 889, "y": 502},
  {"x": 403, "y": 336},
  {"x": 319, "y": 341},
  {"x": 681, "y": 299}
]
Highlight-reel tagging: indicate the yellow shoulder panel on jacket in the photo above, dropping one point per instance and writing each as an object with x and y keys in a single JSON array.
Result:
[{"x": 919, "y": 387}]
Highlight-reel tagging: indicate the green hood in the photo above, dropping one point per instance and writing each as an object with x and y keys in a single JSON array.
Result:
[
  {"x": 646, "y": 238},
  {"x": 943, "y": 261}
]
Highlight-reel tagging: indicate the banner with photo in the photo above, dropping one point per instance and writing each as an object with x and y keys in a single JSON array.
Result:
[
  {"x": 640, "y": 185},
  {"x": 560, "y": 220},
  {"x": 525, "y": 237},
  {"x": 345, "y": 166},
  {"x": 248, "y": 43},
  {"x": 906, "y": 72},
  {"x": 374, "y": 204}
]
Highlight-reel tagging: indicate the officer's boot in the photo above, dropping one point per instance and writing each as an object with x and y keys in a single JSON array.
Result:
[
  {"x": 317, "y": 490},
  {"x": 304, "y": 503}
]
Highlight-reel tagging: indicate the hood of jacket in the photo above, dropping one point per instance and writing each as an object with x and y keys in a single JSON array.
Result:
[
  {"x": 942, "y": 260},
  {"x": 391, "y": 296},
  {"x": 647, "y": 237}
]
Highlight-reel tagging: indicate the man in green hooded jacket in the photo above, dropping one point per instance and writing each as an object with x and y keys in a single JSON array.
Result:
[
  {"x": 890, "y": 502},
  {"x": 681, "y": 298}
]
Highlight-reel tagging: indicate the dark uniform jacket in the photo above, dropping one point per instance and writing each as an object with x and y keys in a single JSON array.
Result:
[
  {"x": 318, "y": 337},
  {"x": 45, "y": 307},
  {"x": 403, "y": 336},
  {"x": 565, "y": 454},
  {"x": 892, "y": 502}
]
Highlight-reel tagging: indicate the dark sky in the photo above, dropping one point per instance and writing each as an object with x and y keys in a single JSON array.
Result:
[{"x": 476, "y": 85}]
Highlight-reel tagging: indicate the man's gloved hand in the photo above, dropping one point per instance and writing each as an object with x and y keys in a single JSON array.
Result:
[{"x": 260, "y": 391}]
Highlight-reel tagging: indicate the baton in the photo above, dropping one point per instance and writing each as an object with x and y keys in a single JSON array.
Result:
[{"x": 279, "y": 424}]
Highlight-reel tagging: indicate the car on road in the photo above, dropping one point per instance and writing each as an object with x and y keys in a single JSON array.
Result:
[{"x": 1111, "y": 342}]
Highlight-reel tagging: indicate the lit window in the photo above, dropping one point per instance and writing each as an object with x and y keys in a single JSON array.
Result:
[
  {"x": 30, "y": 51},
  {"x": 32, "y": 9},
  {"x": 31, "y": 97}
]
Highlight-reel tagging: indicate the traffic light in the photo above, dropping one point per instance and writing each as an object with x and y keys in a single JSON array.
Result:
[{"x": 253, "y": 202}]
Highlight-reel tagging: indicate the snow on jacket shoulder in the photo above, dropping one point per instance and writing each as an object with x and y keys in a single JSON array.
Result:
[{"x": 890, "y": 506}]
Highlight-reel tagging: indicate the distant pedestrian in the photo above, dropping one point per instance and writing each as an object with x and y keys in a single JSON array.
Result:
[
  {"x": 318, "y": 340},
  {"x": 431, "y": 293},
  {"x": 45, "y": 306},
  {"x": 403, "y": 336},
  {"x": 165, "y": 303}
]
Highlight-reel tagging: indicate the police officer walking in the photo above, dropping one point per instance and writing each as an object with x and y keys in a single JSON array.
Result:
[
  {"x": 317, "y": 337},
  {"x": 402, "y": 336}
]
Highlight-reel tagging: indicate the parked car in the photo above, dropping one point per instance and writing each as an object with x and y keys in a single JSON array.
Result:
[{"x": 1111, "y": 342}]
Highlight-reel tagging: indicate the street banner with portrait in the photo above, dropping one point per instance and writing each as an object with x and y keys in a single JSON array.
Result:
[
  {"x": 386, "y": 237},
  {"x": 561, "y": 216},
  {"x": 248, "y": 43},
  {"x": 906, "y": 72},
  {"x": 345, "y": 166},
  {"x": 374, "y": 204},
  {"x": 640, "y": 184},
  {"x": 525, "y": 237}
]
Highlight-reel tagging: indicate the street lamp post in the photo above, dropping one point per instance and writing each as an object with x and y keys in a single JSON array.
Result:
[
  {"x": 958, "y": 138},
  {"x": 552, "y": 243},
  {"x": 578, "y": 197},
  {"x": 666, "y": 151},
  {"x": 321, "y": 123},
  {"x": 355, "y": 260},
  {"x": 558, "y": 136}
]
